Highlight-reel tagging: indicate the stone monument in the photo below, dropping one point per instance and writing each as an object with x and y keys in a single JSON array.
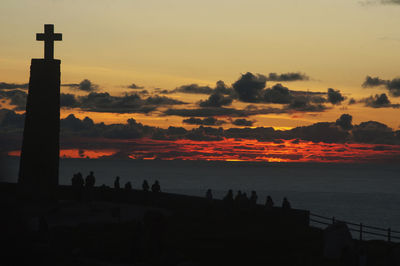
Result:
[{"x": 39, "y": 162}]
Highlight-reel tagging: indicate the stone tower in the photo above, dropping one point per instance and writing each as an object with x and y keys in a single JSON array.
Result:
[{"x": 38, "y": 171}]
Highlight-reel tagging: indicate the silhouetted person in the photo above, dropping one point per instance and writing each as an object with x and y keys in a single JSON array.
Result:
[
  {"x": 74, "y": 180},
  {"x": 145, "y": 186},
  {"x": 253, "y": 198},
  {"x": 229, "y": 196},
  {"x": 244, "y": 200},
  {"x": 269, "y": 203},
  {"x": 80, "y": 181},
  {"x": 77, "y": 180},
  {"x": 156, "y": 187},
  {"x": 90, "y": 180},
  {"x": 228, "y": 199},
  {"x": 209, "y": 195},
  {"x": 128, "y": 186},
  {"x": 286, "y": 204},
  {"x": 116, "y": 183},
  {"x": 77, "y": 185},
  {"x": 238, "y": 196}
]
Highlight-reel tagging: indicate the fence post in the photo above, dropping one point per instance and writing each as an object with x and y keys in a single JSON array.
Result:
[
  {"x": 333, "y": 219},
  {"x": 361, "y": 228},
  {"x": 389, "y": 234}
]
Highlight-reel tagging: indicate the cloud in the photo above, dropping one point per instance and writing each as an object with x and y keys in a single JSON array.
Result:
[
  {"x": 393, "y": 86},
  {"x": 334, "y": 96},
  {"x": 9, "y": 118},
  {"x": 379, "y": 101},
  {"x": 85, "y": 134},
  {"x": 68, "y": 100},
  {"x": 194, "y": 89},
  {"x": 209, "y": 121},
  {"x": 216, "y": 100},
  {"x": 133, "y": 86},
  {"x": 383, "y": 2},
  {"x": 390, "y": 2},
  {"x": 345, "y": 121},
  {"x": 16, "y": 97},
  {"x": 222, "y": 111},
  {"x": 373, "y": 82},
  {"x": 128, "y": 103},
  {"x": 11, "y": 86},
  {"x": 221, "y": 87},
  {"x": 373, "y": 132},
  {"x": 277, "y": 94},
  {"x": 352, "y": 101},
  {"x": 304, "y": 104},
  {"x": 249, "y": 87},
  {"x": 84, "y": 85},
  {"x": 243, "y": 122},
  {"x": 291, "y": 76}
]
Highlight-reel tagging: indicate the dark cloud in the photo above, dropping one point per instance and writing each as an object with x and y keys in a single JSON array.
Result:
[
  {"x": 209, "y": 121},
  {"x": 319, "y": 132},
  {"x": 16, "y": 97},
  {"x": 72, "y": 126},
  {"x": 12, "y": 86},
  {"x": 249, "y": 87},
  {"x": 10, "y": 119},
  {"x": 128, "y": 103},
  {"x": 291, "y": 76},
  {"x": 206, "y": 112},
  {"x": 390, "y": 2},
  {"x": 68, "y": 100},
  {"x": 373, "y": 132},
  {"x": 304, "y": 104},
  {"x": 221, "y": 87},
  {"x": 84, "y": 85},
  {"x": 75, "y": 130},
  {"x": 373, "y": 82},
  {"x": 216, "y": 100},
  {"x": 334, "y": 96},
  {"x": 133, "y": 86},
  {"x": 393, "y": 86},
  {"x": 379, "y": 101},
  {"x": 345, "y": 121},
  {"x": 222, "y": 111},
  {"x": 383, "y": 2},
  {"x": 352, "y": 101},
  {"x": 277, "y": 94},
  {"x": 195, "y": 89},
  {"x": 243, "y": 122}
]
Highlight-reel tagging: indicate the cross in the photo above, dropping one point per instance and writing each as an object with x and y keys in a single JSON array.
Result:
[{"x": 48, "y": 37}]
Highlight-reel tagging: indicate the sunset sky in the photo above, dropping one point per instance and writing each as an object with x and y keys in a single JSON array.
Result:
[{"x": 159, "y": 61}]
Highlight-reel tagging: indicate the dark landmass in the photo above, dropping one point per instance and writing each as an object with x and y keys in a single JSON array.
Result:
[{"x": 105, "y": 226}]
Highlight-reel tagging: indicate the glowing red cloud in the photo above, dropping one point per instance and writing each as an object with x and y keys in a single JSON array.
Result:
[{"x": 239, "y": 150}]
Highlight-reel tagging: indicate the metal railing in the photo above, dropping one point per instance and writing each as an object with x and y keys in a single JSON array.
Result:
[{"x": 360, "y": 228}]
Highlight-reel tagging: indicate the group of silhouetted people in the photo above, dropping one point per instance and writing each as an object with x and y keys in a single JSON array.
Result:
[
  {"x": 145, "y": 185},
  {"x": 242, "y": 200},
  {"x": 78, "y": 181}
]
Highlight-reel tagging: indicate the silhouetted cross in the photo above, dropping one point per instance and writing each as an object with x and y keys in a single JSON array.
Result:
[{"x": 48, "y": 37}]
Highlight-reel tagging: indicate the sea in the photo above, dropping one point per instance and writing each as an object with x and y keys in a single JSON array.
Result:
[{"x": 358, "y": 193}]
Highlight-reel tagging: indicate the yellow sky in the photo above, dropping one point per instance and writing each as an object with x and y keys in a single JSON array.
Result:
[{"x": 158, "y": 43}]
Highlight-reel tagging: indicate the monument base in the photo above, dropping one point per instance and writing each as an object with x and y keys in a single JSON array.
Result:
[{"x": 39, "y": 162}]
